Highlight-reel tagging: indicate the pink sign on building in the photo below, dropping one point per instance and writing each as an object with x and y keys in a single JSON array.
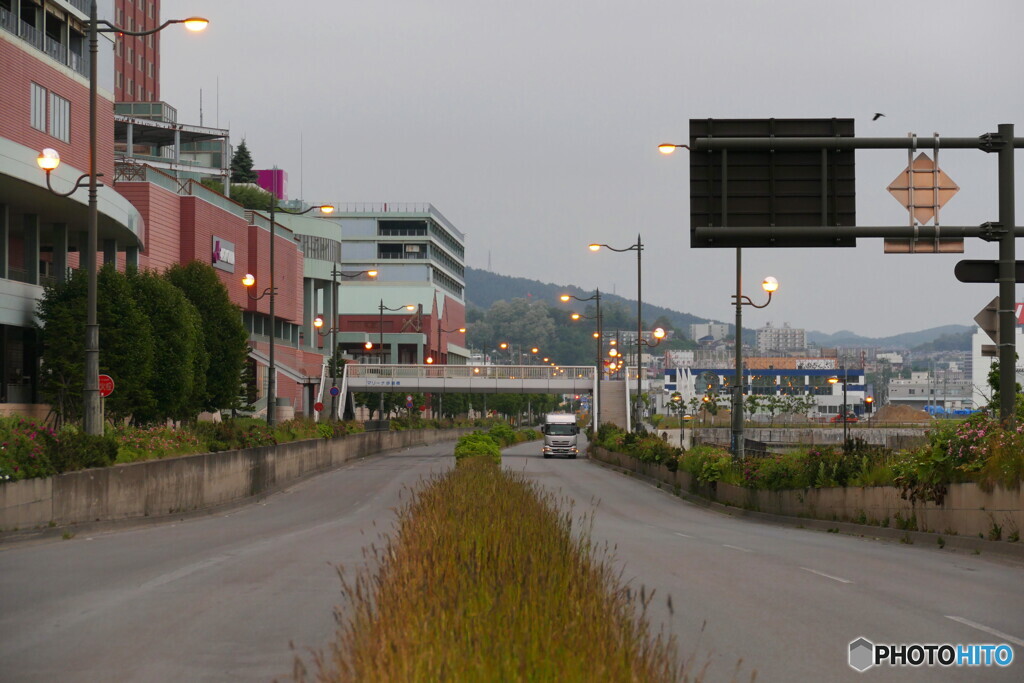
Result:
[{"x": 273, "y": 180}]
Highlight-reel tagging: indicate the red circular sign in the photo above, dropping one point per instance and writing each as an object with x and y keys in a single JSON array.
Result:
[
  {"x": 318, "y": 406},
  {"x": 106, "y": 385}
]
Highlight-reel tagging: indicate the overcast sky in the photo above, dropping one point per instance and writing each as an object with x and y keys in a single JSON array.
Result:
[{"x": 532, "y": 125}]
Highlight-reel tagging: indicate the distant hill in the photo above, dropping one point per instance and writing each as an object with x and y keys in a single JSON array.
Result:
[
  {"x": 483, "y": 288},
  {"x": 906, "y": 340}
]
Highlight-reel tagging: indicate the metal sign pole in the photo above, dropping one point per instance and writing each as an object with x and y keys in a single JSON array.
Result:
[{"x": 1007, "y": 281}]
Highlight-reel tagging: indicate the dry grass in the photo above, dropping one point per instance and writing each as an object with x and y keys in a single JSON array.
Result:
[{"x": 486, "y": 581}]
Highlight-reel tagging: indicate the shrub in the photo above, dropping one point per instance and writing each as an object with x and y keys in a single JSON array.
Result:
[
  {"x": 25, "y": 449},
  {"x": 74, "y": 450},
  {"x": 137, "y": 443},
  {"x": 238, "y": 433},
  {"x": 1005, "y": 462},
  {"x": 477, "y": 444},
  {"x": 502, "y": 434}
]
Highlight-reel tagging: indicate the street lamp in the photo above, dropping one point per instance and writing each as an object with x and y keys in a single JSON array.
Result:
[
  {"x": 460, "y": 330},
  {"x": 318, "y": 323},
  {"x": 769, "y": 285},
  {"x": 271, "y": 291},
  {"x": 599, "y": 335},
  {"x": 93, "y": 419},
  {"x": 638, "y": 248},
  {"x": 659, "y": 336},
  {"x": 382, "y": 307},
  {"x": 836, "y": 380}
]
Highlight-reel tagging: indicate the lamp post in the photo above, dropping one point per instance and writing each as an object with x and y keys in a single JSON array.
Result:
[
  {"x": 770, "y": 285},
  {"x": 318, "y": 322},
  {"x": 93, "y": 419},
  {"x": 382, "y": 308},
  {"x": 833, "y": 381},
  {"x": 460, "y": 330},
  {"x": 597, "y": 361},
  {"x": 659, "y": 335},
  {"x": 271, "y": 291},
  {"x": 638, "y": 248}
]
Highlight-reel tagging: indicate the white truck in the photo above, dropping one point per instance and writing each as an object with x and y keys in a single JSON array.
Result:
[{"x": 560, "y": 435}]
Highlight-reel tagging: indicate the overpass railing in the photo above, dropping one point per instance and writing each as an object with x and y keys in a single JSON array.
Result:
[{"x": 499, "y": 372}]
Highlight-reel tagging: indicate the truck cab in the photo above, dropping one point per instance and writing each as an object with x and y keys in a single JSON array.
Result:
[{"x": 561, "y": 435}]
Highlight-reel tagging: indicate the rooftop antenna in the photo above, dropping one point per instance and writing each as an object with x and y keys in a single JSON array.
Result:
[
  {"x": 200, "y": 106},
  {"x": 302, "y": 194}
]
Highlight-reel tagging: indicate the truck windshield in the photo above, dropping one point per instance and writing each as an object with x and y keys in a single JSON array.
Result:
[{"x": 561, "y": 429}]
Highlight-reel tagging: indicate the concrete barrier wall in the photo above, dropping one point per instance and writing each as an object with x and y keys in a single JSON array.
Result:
[
  {"x": 966, "y": 511},
  {"x": 171, "y": 486},
  {"x": 890, "y": 437}
]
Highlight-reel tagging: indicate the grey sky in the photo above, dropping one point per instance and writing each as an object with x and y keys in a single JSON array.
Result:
[{"x": 533, "y": 125}]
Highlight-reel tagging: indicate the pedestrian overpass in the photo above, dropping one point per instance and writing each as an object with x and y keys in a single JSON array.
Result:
[
  {"x": 482, "y": 379},
  {"x": 469, "y": 379}
]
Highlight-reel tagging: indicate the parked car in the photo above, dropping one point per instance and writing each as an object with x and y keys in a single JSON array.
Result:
[{"x": 850, "y": 417}]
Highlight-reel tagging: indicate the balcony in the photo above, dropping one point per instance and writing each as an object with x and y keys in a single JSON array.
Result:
[{"x": 39, "y": 40}]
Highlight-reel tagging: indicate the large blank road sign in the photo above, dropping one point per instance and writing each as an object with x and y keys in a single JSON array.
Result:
[{"x": 771, "y": 188}]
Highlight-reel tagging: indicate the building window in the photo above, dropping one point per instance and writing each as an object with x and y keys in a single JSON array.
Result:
[
  {"x": 60, "y": 118},
  {"x": 38, "y": 97}
]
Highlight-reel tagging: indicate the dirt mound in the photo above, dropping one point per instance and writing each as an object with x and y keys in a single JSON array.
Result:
[{"x": 892, "y": 413}]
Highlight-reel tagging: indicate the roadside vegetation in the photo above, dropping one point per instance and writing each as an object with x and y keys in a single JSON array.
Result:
[
  {"x": 977, "y": 449},
  {"x": 31, "y": 449},
  {"x": 488, "y": 578}
]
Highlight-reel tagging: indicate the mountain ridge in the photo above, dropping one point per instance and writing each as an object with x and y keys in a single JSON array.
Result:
[{"x": 484, "y": 287}]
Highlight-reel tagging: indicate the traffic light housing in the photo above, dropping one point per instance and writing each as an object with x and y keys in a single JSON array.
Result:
[{"x": 869, "y": 403}]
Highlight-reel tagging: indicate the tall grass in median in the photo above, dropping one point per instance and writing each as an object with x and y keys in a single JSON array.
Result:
[{"x": 485, "y": 580}]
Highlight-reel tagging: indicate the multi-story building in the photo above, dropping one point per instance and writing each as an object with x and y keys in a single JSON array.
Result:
[
  {"x": 154, "y": 214},
  {"x": 44, "y": 60},
  {"x": 420, "y": 259},
  {"x": 136, "y": 58},
  {"x": 941, "y": 391},
  {"x": 780, "y": 339},
  {"x": 777, "y": 376}
]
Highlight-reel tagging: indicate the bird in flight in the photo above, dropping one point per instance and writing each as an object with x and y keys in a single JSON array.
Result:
[{"x": 877, "y": 116}]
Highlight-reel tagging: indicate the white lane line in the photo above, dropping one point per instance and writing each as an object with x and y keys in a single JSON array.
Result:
[
  {"x": 827, "y": 576},
  {"x": 986, "y": 629},
  {"x": 683, "y": 535},
  {"x": 736, "y": 547}
]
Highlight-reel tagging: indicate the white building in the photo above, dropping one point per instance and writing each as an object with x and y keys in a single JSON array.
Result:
[
  {"x": 783, "y": 338},
  {"x": 982, "y": 364}
]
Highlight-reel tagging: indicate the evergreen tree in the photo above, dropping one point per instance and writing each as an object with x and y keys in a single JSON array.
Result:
[
  {"x": 179, "y": 386},
  {"x": 224, "y": 336},
  {"x": 126, "y": 346},
  {"x": 241, "y": 165}
]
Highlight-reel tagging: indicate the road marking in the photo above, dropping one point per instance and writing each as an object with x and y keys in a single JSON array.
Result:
[
  {"x": 736, "y": 547},
  {"x": 683, "y": 535},
  {"x": 986, "y": 629},
  {"x": 827, "y": 576}
]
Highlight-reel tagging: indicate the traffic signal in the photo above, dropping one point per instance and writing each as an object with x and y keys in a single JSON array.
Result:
[{"x": 869, "y": 403}]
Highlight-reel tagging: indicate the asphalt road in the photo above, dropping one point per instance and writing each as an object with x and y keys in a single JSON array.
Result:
[{"x": 221, "y": 597}]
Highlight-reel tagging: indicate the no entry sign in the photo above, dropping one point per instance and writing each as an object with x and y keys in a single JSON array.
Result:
[{"x": 106, "y": 385}]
